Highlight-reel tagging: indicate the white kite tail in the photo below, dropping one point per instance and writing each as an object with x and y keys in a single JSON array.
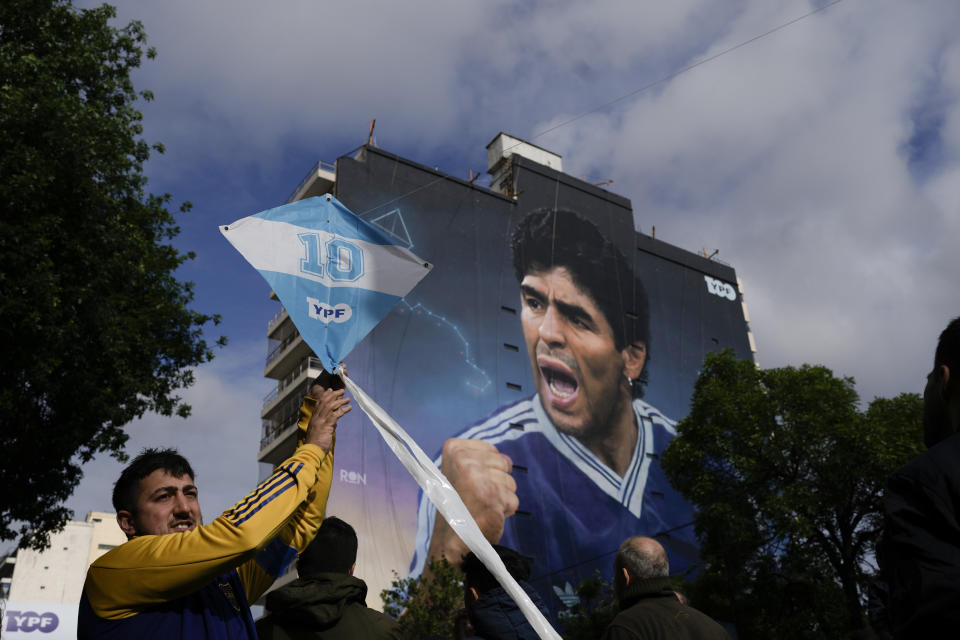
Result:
[{"x": 442, "y": 494}]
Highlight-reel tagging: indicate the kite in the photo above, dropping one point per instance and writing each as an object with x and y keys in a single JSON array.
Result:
[
  {"x": 338, "y": 276},
  {"x": 335, "y": 274}
]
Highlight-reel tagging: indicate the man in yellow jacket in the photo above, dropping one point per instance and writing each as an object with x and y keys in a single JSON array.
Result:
[{"x": 175, "y": 577}]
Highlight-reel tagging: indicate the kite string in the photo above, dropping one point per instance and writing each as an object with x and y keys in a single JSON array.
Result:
[{"x": 448, "y": 503}]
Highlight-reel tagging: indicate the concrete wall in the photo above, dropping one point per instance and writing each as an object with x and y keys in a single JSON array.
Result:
[{"x": 56, "y": 575}]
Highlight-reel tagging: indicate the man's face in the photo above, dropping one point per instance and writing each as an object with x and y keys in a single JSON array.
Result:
[
  {"x": 166, "y": 504},
  {"x": 576, "y": 367}
]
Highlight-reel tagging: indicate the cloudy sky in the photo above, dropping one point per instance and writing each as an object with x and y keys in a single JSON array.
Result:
[{"x": 822, "y": 160}]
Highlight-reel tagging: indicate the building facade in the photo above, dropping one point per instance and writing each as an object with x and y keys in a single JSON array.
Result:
[
  {"x": 452, "y": 354},
  {"x": 41, "y": 589}
]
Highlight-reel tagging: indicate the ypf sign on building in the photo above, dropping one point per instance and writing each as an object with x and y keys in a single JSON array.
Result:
[{"x": 39, "y": 620}]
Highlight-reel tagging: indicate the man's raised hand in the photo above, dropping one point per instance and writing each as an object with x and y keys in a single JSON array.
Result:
[{"x": 331, "y": 406}]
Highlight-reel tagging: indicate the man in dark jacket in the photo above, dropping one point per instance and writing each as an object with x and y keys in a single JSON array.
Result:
[
  {"x": 649, "y": 608},
  {"x": 326, "y": 601},
  {"x": 920, "y": 553},
  {"x": 492, "y": 613}
]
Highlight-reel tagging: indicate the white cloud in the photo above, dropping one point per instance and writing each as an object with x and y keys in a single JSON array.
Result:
[
  {"x": 220, "y": 439},
  {"x": 790, "y": 154}
]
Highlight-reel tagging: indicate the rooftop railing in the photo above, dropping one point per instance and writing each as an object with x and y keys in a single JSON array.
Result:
[{"x": 321, "y": 164}]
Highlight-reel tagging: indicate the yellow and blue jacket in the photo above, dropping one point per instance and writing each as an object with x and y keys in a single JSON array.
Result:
[{"x": 199, "y": 584}]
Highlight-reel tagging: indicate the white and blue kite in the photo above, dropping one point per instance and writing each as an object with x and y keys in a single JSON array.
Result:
[{"x": 338, "y": 276}]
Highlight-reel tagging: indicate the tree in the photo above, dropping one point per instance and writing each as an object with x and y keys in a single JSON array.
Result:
[
  {"x": 787, "y": 478},
  {"x": 96, "y": 330},
  {"x": 429, "y": 606},
  {"x": 595, "y": 609}
]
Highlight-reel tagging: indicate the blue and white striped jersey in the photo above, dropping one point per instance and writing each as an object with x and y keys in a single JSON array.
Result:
[{"x": 575, "y": 510}]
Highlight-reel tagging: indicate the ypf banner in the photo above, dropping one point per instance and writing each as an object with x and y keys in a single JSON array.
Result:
[
  {"x": 336, "y": 275},
  {"x": 46, "y": 620}
]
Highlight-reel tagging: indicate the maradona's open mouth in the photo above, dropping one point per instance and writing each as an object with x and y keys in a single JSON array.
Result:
[{"x": 561, "y": 383}]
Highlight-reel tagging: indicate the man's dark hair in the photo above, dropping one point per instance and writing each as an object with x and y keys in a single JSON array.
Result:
[
  {"x": 948, "y": 348},
  {"x": 549, "y": 238},
  {"x": 642, "y": 560},
  {"x": 334, "y": 550},
  {"x": 477, "y": 576},
  {"x": 328, "y": 380},
  {"x": 127, "y": 489}
]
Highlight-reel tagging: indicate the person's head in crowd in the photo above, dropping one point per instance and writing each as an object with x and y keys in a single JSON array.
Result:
[
  {"x": 156, "y": 495},
  {"x": 477, "y": 580},
  {"x": 585, "y": 319},
  {"x": 941, "y": 397},
  {"x": 638, "y": 558},
  {"x": 333, "y": 550}
]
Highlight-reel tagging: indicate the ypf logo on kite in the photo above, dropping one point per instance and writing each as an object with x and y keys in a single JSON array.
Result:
[
  {"x": 28, "y": 621},
  {"x": 326, "y": 314},
  {"x": 720, "y": 288}
]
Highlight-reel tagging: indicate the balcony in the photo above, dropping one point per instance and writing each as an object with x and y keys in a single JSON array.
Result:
[
  {"x": 286, "y": 356},
  {"x": 318, "y": 181},
  {"x": 279, "y": 348},
  {"x": 270, "y": 397},
  {"x": 278, "y": 438},
  {"x": 308, "y": 369},
  {"x": 273, "y": 429},
  {"x": 275, "y": 321}
]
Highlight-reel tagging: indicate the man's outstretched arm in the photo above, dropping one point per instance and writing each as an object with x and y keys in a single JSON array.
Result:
[
  {"x": 152, "y": 569},
  {"x": 320, "y": 411}
]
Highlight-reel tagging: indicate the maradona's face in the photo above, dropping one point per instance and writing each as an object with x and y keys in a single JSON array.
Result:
[
  {"x": 576, "y": 367},
  {"x": 166, "y": 505}
]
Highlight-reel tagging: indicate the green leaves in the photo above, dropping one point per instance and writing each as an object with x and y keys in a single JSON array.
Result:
[
  {"x": 593, "y": 612},
  {"x": 787, "y": 474},
  {"x": 96, "y": 330},
  {"x": 427, "y": 606}
]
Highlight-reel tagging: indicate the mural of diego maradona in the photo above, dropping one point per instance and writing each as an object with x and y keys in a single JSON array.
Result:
[{"x": 567, "y": 474}]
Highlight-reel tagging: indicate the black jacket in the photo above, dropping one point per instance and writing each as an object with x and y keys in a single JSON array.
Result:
[
  {"x": 329, "y": 606},
  {"x": 920, "y": 552},
  {"x": 649, "y": 609},
  {"x": 495, "y": 615}
]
